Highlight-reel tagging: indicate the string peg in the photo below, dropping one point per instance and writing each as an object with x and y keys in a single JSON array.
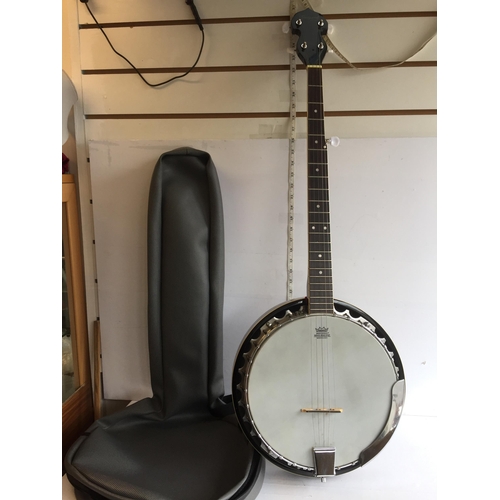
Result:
[
  {"x": 286, "y": 27},
  {"x": 333, "y": 141},
  {"x": 331, "y": 29}
]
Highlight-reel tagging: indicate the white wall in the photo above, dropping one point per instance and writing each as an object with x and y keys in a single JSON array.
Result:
[{"x": 383, "y": 202}]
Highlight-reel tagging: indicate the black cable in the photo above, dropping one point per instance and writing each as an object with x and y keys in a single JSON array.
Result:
[{"x": 198, "y": 21}]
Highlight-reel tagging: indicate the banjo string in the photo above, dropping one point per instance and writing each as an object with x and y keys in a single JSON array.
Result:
[{"x": 313, "y": 346}]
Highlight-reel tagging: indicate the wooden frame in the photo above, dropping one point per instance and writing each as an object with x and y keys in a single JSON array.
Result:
[{"x": 77, "y": 410}]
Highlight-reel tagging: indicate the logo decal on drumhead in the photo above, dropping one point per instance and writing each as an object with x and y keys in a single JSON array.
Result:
[{"x": 322, "y": 332}]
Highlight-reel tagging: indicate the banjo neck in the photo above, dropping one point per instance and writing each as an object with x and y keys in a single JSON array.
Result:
[{"x": 320, "y": 280}]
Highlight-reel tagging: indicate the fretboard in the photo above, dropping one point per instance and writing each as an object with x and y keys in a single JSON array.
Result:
[{"x": 320, "y": 284}]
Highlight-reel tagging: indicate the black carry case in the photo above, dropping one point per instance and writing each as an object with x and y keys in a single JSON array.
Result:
[{"x": 184, "y": 443}]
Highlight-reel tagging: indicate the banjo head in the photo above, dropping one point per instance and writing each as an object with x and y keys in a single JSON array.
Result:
[{"x": 316, "y": 394}]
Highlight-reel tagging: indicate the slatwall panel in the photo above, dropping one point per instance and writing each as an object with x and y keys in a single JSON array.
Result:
[
  {"x": 142, "y": 10},
  {"x": 240, "y": 87}
]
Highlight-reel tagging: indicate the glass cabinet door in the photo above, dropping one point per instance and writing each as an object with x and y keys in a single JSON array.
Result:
[
  {"x": 77, "y": 401},
  {"x": 69, "y": 380}
]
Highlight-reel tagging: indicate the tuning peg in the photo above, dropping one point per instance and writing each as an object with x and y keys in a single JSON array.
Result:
[
  {"x": 333, "y": 141},
  {"x": 286, "y": 27},
  {"x": 331, "y": 29},
  {"x": 290, "y": 50}
]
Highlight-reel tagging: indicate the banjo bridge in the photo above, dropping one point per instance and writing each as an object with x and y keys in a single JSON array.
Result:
[{"x": 321, "y": 410}]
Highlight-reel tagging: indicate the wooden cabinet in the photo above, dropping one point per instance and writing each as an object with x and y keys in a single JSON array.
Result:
[{"x": 77, "y": 407}]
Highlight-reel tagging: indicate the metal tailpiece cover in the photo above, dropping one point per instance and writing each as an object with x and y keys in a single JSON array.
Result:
[{"x": 324, "y": 461}]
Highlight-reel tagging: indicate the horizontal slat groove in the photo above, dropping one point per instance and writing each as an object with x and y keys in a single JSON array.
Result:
[
  {"x": 269, "y": 67},
  {"x": 269, "y": 114},
  {"x": 258, "y": 19}
]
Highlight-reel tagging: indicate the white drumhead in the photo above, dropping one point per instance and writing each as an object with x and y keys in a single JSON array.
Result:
[{"x": 316, "y": 362}]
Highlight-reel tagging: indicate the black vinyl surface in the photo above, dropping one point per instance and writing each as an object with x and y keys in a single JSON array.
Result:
[{"x": 183, "y": 443}]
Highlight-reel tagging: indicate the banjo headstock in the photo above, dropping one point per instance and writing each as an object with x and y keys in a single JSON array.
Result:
[{"x": 310, "y": 28}]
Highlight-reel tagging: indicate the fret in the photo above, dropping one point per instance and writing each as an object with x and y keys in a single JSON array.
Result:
[
  {"x": 319, "y": 234},
  {"x": 321, "y": 226},
  {"x": 315, "y": 239},
  {"x": 320, "y": 220},
  {"x": 317, "y": 171},
  {"x": 319, "y": 247},
  {"x": 325, "y": 290},
  {"x": 316, "y": 236},
  {"x": 320, "y": 264}
]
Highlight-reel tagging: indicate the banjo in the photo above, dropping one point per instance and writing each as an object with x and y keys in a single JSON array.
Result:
[{"x": 318, "y": 385}]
